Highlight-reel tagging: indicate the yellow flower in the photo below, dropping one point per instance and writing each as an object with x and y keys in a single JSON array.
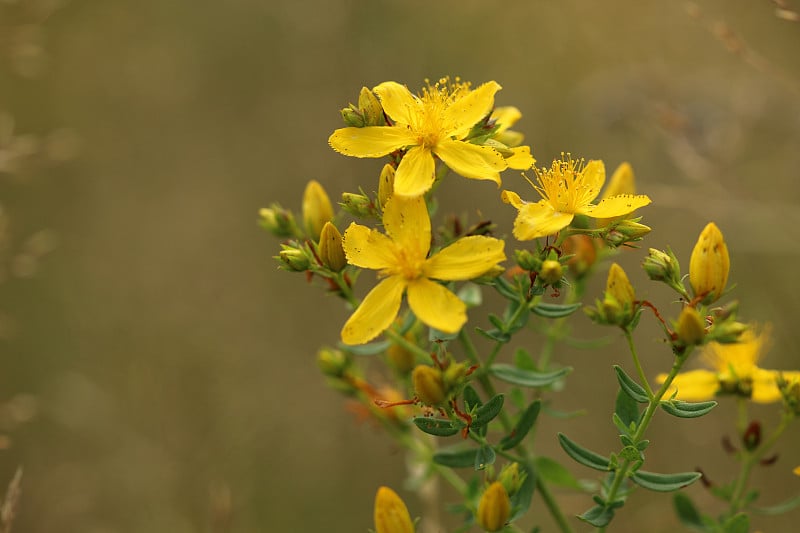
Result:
[
  {"x": 431, "y": 124},
  {"x": 391, "y": 514},
  {"x": 735, "y": 371},
  {"x": 401, "y": 258},
  {"x": 567, "y": 188}
]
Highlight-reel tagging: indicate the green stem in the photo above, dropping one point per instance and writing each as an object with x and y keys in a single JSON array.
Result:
[
  {"x": 638, "y": 363},
  {"x": 622, "y": 471},
  {"x": 750, "y": 459}
]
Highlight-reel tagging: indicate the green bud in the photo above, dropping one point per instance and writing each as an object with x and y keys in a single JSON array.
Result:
[
  {"x": 527, "y": 261},
  {"x": 358, "y": 205},
  {"x": 278, "y": 221},
  {"x": 625, "y": 232},
  {"x": 511, "y": 478},
  {"x": 727, "y": 331},
  {"x": 333, "y": 363},
  {"x": 370, "y": 108},
  {"x": 293, "y": 259},
  {"x": 661, "y": 266},
  {"x": 551, "y": 271},
  {"x": 353, "y": 117}
]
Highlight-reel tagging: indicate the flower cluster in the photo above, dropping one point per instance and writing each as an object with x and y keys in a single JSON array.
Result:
[{"x": 430, "y": 284}]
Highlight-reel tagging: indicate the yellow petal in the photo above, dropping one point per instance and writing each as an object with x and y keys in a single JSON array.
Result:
[
  {"x": 510, "y": 197},
  {"x": 695, "y": 385},
  {"x": 471, "y": 160},
  {"x": 522, "y": 158},
  {"x": 415, "y": 173},
  {"x": 397, "y": 101},
  {"x": 408, "y": 224},
  {"x": 372, "y": 141},
  {"x": 593, "y": 176},
  {"x": 436, "y": 306},
  {"x": 765, "y": 385},
  {"x": 459, "y": 117},
  {"x": 621, "y": 182},
  {"x": 376, "y": 312},
  {"x": 505, "y": 117},
  {"x": 538, "y": 220},
  {"x": 466, "y": 258},
  {"x": 368, "y": 248},
  {"x": 616, "y": 206}
]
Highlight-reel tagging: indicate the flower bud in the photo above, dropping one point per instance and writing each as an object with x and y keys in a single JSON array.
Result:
[
  {"x": 661, "y": 266},
  {"x": 370, "y": 108},
  {"x": 796, "y": 471},
  {"x": 331, "y": 251},
  {"x": 358, "y": 205},
  {"x": 526, "y": 260},
  {"x": 317, "y": 209},
  {"x": 386, "y": 184},
  {"x": 790, "y": 392},
  {"x": 626, "y": 231},
  {"x": 352, "y": 117},
  {"x": 400, "y": 358},
  {"x": 332, "y": 363},
  {"x": 391, "y": 514},
  {"x": 690, "y": 329},
  {"x": 709, "y": 265},
  {"x": 277, "y": 221},
  {"x": 622, "y": 182},
  {"x": 727, "y": 331},
  {"x": 511, "y": 478},
  {"x": 293, "y": 259},
  {"x": 618, "y": 286},
  {"x": 494, "y": 508},
  {"x": 551, "y": 271},
  {"x": 428, "y": 385}
]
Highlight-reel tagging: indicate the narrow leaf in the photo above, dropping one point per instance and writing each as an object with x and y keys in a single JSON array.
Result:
[
  {"x": 780, "y": 508},
  {"x": 436, "y": 426},
  {"x": 598, "y": 516},
  {"x": 494, "y": 334},
  {"x": 521, "y": 500},
  {"x": 488, "y": 411},
  {"x": 582, "y": 455},
  {"x": 629, "y": 386},
  {"x": 527, "y": 378},
  {"x": 456, "y": 458},
  {"x": 627, "y": 409},
  {"x": 664, "y": 482},
  {"x": 471, "y": 398},
  {"x": 554, "y": 472},
  {"x": 687, "y": 512},
  {"x": 523, "y": 426},
  {"x": 683, "y": 409},
  {"x": 371, "y": 348},
  {"x": 549, "y": 310}
]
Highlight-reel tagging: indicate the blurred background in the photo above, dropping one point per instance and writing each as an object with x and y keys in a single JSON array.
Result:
[{"x": 158, "y": 372}]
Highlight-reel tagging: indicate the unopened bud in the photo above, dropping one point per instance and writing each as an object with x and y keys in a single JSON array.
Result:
[
  {"x": 370, "y": 108},
  {"x": 277, "y": 221},
  {"x": 391, "y": 514},
  {"x": 353, "y": 117},
  {"x": 358, "y": 205},
  {"x": 428, "y": 385},
  {"x": 332, "y": 363},
  {"x": 331, "y": 251},
  {"x": 661, "y": 266},
  {"x": 511, "y": 478},
  {"x": 494, "y": 508},
  {"x": 789, "y": 386},
  {"x": 293, "y": 259},
  {"x": 317, "y": 209},
  {"x": 386, "y": 184},
  {"x": 401, "y": 359},
  {"x": 727, "y": 331},
  {"x": 709, "y": 265},
  {"x": 690, "y": 329},
  {"x": 526, "y": 260},
  {"x": 551, "y": 271},
  {"x": 618, "y": 286},
  {"x": 622, "y": 182},
  {"x": 626, "y": 231}
]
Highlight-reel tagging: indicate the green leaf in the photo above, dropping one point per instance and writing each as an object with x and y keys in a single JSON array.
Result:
[
  {"x": 471, "y": 295},
  {"x": 598, "y": 516},
  {"x": 506, "y": 288},
  {"x": 495, "y": 335},
  {"x": 488, "y": 411},
  {"x": 371, "y": 348},
  {"x": 738, "y": 523},
  {"x": 524, "y": 360},
  {"x": 436, "y": 426},
  {"x": 549, "y": 310},
  {"x": 456, "y": 458},
  {"x": 635, "y": 391},
  {"x": 471, "y": 398},
  {"x": 780, "y": 508},
  {"x": 523, "y": 426},
  {"x": 521, "y": 500},
  {"x": 687, "y": 512},
  {"x": 527, "y": 378},
  {"x": 582, "y": 455},
  {"x": 664, "y": 482},
  {"x": 627, "y": 409},
  {"x": 683, "y": 409},
  {"x": 485, "y": 457},
  {"x": 554, "y": 472}
]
